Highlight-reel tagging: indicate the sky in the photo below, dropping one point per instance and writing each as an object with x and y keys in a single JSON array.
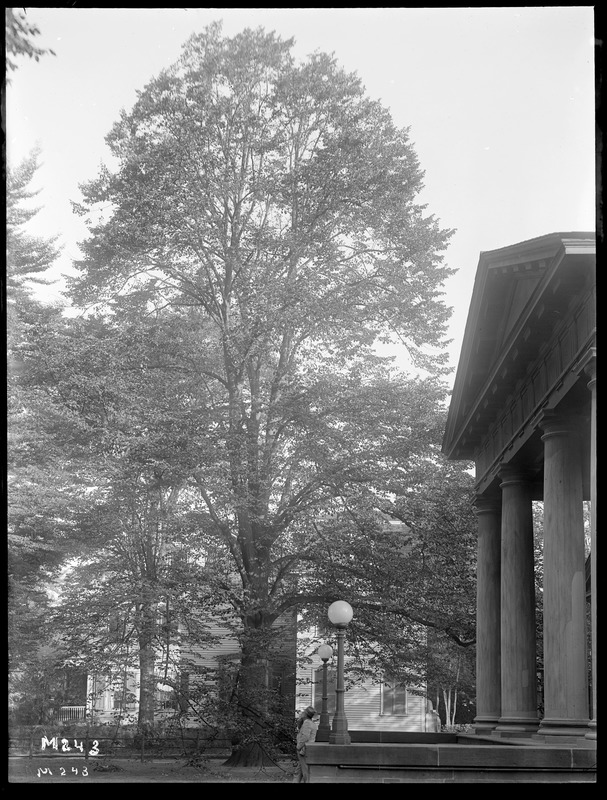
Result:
[{"x": 499, "y": 103}]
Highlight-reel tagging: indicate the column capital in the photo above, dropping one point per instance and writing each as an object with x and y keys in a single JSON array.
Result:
[
  {"x": 486, "y": 504},
  {"x": 512, "y": 474},
  {"x": 555, "y": 423}
]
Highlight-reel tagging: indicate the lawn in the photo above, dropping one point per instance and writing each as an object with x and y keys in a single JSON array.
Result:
[{"x": 77, "y": 770}]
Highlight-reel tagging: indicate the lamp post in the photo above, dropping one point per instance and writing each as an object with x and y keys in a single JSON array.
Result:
[
  {"x": 340, "y": 614},
  {"x": 325, "y": 652}
]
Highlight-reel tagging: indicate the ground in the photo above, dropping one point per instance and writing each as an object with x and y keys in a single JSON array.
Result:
[{"x": 77, "y": 770}]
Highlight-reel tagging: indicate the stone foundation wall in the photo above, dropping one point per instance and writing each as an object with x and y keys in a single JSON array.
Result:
[{"x": 449, "y": 763}]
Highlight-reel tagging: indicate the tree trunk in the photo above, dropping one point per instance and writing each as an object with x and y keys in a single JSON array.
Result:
[
  {"x": 447, "y": 701},
  {"x": 248, "y": 755},
  {"x": 147, "y": 677},
  {"x": 252, "y": 697}
]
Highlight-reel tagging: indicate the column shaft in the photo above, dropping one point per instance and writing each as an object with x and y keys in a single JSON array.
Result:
[
  {"x": 593, "y": 545},
  {"x": 518, "y": 636},
  {"x": 565, "y": 657},
  {"x": 488, "y": 681},
  {"x": 589, "y": 368}
]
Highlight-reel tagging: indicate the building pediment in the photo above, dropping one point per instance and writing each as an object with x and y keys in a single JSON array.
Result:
[{"x": 521, "y": 295}]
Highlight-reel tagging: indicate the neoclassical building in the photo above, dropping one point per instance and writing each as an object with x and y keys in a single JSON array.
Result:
[{"x": 523, "y": 410}]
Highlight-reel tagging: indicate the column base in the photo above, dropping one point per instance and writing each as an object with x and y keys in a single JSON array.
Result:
[
  {"x": 340, "y": 738},
  {"x": 592, "y": 732},
  {"x": 514, "y": 725},
  {"x": 484, "y": 724},
  {"x": 564, "y": 727}
]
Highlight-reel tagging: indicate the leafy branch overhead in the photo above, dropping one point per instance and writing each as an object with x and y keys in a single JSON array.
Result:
[{"x": 19, "y": 38}]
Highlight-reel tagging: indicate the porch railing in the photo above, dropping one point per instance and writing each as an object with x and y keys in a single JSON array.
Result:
[{"x": 71, "y": 713}]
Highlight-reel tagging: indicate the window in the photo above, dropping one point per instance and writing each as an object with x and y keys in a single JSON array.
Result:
[
  {"x": 393, "y": 698},
  {"x": 280, "y": 679},
  {"x": 323, "y": 629},
  {"x": 123, "y": 698},
  {"x": 74, "y": 687},
  {"x": 166, "y": 698},
  {"x": 116, "y": 627},
  {"x": 228, "y": 674}
]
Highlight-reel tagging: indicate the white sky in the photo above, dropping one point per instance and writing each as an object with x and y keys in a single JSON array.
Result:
[{"x": 500, "y": 103}]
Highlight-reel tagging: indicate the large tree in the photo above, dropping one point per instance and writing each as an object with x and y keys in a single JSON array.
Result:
[
  {"x": 266, "y": 210},
  {"x": 40, "y": 489}
]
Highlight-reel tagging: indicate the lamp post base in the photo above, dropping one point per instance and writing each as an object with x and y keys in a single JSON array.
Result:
[
  {"x": 339, "y": 738},
  {"x": 339, "y": 732},
  {"x": 323, "y": 731}
]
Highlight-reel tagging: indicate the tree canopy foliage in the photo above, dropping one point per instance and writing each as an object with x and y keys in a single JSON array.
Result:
[
  {"x": 274, "y": 198},
  {"x": 39, "y": 487}
]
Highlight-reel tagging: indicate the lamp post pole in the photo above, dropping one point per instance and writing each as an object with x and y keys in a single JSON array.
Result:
[
  {"x": 325, "y": 652},
  {"x": 340, "y": 614}
]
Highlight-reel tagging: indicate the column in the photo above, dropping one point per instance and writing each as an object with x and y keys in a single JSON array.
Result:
[
  {"x": 565, "y": 659},
  {"x": 488, "y": 681},
  {"x": 588, "y": 366},
  {"x": 591, "y": 370},
  {"x": 518, "y": 638}
]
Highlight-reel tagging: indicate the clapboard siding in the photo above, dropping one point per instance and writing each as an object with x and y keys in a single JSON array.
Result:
[
  {"x": 363, "y": 704},
  {"x": 226, "y": 644},
  {"x": 226, "y": 647}
]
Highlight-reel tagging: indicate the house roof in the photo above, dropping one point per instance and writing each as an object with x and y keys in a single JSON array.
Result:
[{"x": 520, "y": 292}]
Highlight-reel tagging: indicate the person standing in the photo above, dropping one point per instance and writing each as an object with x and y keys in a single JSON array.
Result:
[{"x": 306, "y": 733}]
